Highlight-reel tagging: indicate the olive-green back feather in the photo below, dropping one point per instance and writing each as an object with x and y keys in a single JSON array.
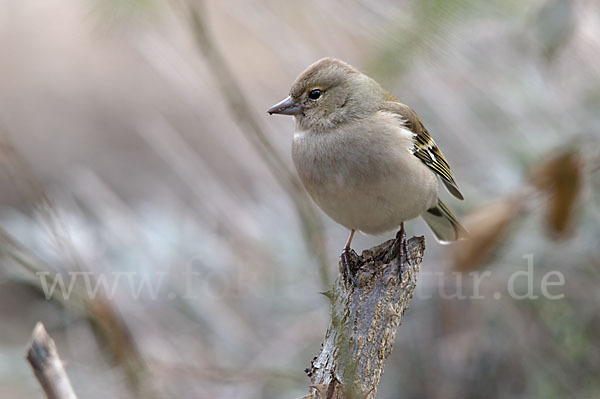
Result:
[{"x": 425, "y": 147}]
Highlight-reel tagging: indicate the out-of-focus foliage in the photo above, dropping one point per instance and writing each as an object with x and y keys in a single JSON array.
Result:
[
  {"x": 489, "y": 228},
  {"x": 561, "y": 179},
  {"x": 554, "y": 24},
  {"x": 123, "y": 162}
]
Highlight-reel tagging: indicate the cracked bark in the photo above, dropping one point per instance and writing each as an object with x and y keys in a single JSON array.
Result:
[{"x": 364, "y": 320}]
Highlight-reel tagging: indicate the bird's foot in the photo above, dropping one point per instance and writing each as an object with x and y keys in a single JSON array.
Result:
[
  {"x": 399, "y": 249},
  {"x": 347, "y": 260},
  {"x": 404, "y": 245}
]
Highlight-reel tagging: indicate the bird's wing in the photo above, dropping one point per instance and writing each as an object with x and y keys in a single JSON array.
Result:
[{"x": 424, "y": 146}]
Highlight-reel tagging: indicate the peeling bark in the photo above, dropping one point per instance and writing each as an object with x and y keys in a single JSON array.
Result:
[{"x": 364, "y": 319}]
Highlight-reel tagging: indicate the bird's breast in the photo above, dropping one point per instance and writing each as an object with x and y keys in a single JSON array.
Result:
[
  {"x": 369, "y": 182},
  {"x": 337, "y": 159}
]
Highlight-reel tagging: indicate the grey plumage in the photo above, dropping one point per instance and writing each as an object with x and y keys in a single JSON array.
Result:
[{"x": 364, "y": 157}]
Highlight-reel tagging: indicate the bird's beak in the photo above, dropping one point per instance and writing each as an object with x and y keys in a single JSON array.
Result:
[{"x": 286, "y": 107}]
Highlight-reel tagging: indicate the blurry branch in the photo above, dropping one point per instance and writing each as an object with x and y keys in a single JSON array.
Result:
[
  {"x": 123, "y": 348},
  {"x": 553, "y": 26},
  {"x": 106, "y": 320},
  {"x": 10, "y": 249},
  {"x": 47, "y": 366},
  {"x": 413, "y": 35},
  {"x": 312, "y": 226},
  {"x": 364, "y": 320},
  {"x": 32, "y": 190},
  {"x": 99, "y": 311},
  {"x": 172, "y": 148}
]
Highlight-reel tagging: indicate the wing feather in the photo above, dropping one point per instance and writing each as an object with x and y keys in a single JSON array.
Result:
[{"x": 425, "y": 147}]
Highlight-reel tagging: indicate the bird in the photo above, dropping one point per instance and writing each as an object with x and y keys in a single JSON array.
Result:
[{"x": 365, "y": 158}]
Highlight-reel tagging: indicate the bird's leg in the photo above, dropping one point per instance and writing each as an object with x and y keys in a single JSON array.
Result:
[
  {"x": 348, "y": 255},
  {"x": 349, "y": 241},
  {"x": 403, "y": 238},
  {"x": 399, "y": 246}
]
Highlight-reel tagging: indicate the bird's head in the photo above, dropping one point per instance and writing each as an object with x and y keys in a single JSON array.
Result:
[{"x": 327, "y": 94}]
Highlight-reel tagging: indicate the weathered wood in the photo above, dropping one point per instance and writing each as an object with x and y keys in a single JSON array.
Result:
[
  {"x": 364, "y": 319},
  {"x": 47, "y": 366}
]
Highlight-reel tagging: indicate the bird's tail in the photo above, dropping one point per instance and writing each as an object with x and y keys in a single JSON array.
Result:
[{"x": 444, "y": 224}]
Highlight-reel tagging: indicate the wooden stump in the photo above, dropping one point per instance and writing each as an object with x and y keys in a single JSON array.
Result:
[{"x": 365, "y": 316}]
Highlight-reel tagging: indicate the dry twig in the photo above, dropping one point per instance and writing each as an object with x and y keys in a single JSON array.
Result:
[
  {"x": 47, "y": 366},
  {"x": 98, "y": 310}
]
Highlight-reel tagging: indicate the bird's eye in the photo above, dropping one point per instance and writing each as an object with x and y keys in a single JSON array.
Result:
[{"x": 314, "y": 94}]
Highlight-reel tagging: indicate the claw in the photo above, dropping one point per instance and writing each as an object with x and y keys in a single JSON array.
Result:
[
  {"x": 399, "y": 248},
  {"x": 347, "y": 258},
  {"x": 405, "y": 247}
]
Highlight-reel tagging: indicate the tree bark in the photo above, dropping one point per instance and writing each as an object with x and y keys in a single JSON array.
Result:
[{"x": 365, "y": 316}]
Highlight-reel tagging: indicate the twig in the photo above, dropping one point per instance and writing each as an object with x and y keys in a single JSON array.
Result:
[
  {"x": 98, "y": 310},
  {"x": 364, "y": 320},
  {"x": 312, "y": 226},
  {"x": 47, "y": 366}
]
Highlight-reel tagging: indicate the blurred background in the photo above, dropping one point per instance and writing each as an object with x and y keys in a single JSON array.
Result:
[{"x": 138, "y": 164}]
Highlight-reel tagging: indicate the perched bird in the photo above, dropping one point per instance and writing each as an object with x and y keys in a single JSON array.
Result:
[{"x": 365, "y": 158}]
